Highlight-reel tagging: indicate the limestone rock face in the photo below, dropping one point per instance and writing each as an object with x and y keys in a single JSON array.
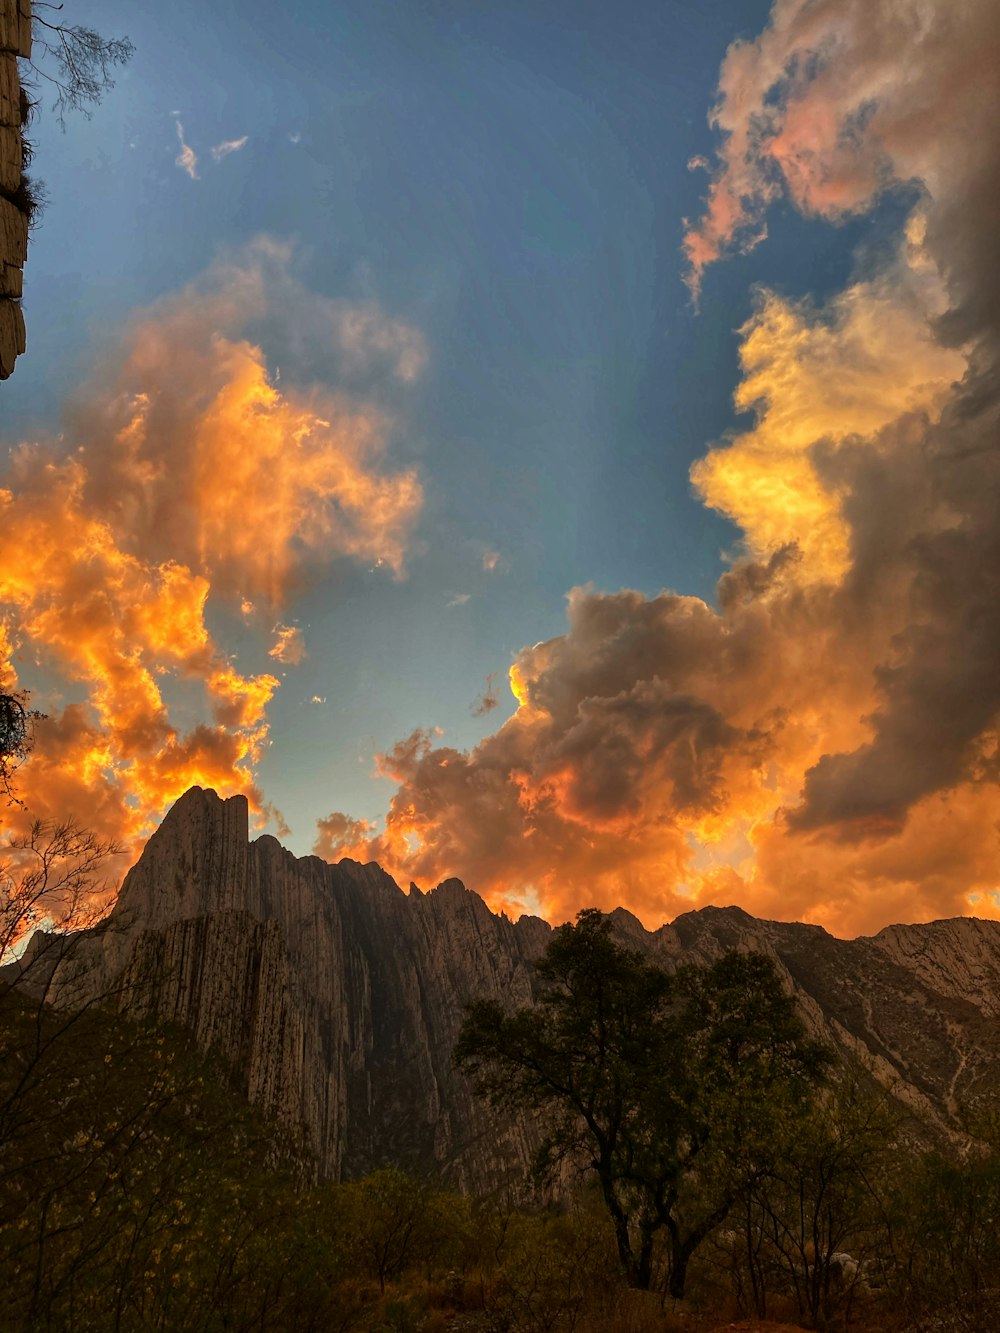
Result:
[
  {"x": 918, "y": 1004},
  {"x": 338, "y": 997}
]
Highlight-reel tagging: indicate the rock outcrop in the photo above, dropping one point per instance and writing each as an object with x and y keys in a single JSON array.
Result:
[
  {"x": 15, "y": 40},
  {"x": 338, "y": 997}
]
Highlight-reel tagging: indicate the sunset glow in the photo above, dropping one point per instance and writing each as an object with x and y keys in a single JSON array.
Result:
[{"x": 263, "y": 494}]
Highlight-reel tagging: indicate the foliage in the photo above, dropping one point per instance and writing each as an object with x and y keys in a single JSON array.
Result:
[
  {"x": 660, "y": 1085},
  {"x": 16, "y": 724},
  {"x": 947, "y": 1238},
  {"x": 814, "y": 1219},
  {"x": 391, "y": 1222},
  {"x": 138, "y": 1191},
  {"x": 553, "y": 1267}
]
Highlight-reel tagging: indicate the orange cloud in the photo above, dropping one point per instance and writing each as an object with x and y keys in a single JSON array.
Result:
[
  {"x": 834, "y": 102},
  {"x": 816, "y": 377},
  {"x": 823, "y": 743},
  {"x": 342, "y": 835},
  {"x": 183, "y": 477}
]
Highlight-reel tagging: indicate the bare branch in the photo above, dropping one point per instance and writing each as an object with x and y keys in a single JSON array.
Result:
[{"x": 77, "y": 61}]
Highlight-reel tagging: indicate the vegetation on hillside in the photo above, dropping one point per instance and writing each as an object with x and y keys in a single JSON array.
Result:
[
  {"x": 667, "y": 1087},
  {"x": 139, "y": 1192},
  {"x": 699, "y": 1145}
]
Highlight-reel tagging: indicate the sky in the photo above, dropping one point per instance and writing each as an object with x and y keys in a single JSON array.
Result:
[{"x": 553, "y": 445}]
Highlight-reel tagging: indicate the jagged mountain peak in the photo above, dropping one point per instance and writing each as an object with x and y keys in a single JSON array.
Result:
[{"x": 338, "y": 996}]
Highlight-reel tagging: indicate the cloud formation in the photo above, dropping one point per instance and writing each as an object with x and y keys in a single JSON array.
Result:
[
  {"x": 187, "y": 158},
  {"x": 222, "y": 150},
  {"x": 289, "y": 645},
  {"x": 837, "y": 101},
  {"x": 824, "y": 743},
  {"x": 183, "y": 478}
]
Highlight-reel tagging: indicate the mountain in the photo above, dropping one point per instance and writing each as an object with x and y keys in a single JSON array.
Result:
[{"x": 338, "y": 997}]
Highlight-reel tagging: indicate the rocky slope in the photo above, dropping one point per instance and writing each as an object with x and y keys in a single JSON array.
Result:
[{"x": 338, "y": 997}]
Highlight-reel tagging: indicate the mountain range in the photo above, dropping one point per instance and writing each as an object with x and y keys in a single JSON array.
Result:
[{"x": 336, "y": 997}]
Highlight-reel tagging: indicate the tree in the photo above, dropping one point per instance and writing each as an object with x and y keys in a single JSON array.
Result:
[
  {"x": 77, "y": 61},
  {"x": 16, "y": 723},
  {"x": 54, "y": 872},
  {"x": 389, "y": 1212},
  {"x": 659, "y": 1084},
  {"x": 820, "y": 1197},
  {"x": 947, "y": 1241}
]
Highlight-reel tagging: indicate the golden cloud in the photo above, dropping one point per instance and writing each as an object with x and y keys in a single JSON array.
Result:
[
  {"x": 185, "y": 475},
  {"x": 818, "y": 377},
  {"x": 823, "y": 743}
]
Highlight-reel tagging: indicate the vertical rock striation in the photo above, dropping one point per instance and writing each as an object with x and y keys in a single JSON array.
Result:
[{"x": 338, "y": 997}]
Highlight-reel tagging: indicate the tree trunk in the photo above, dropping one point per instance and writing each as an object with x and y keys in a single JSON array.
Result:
[
  {"x": 679, "y": 1257},
  {"x": 638, "y": 1270}
]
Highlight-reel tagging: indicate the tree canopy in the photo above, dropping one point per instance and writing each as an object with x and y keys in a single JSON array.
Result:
[
  {"x": 16, "y": 722},
  {"x": 660, "y": 1084}
]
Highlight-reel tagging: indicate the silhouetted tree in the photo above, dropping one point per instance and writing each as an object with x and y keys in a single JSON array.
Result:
[
  {"x": 659, "y": 1084},
  {"x": 16, "y": 723}
]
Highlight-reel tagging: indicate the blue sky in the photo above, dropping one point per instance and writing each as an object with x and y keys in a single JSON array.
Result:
[
  {"x": 508, "y": 187},
  {"x": 513, "y": 181}
]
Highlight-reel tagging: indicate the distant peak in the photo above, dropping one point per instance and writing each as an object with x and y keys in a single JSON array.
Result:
[{"x": 451, "y": 887}]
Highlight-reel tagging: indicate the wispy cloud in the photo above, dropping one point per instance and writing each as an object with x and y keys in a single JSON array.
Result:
[
  {"x": 222, "y": 150},
  {"x": 187, "y": 158},
  {"x": 289, "y": 646}
]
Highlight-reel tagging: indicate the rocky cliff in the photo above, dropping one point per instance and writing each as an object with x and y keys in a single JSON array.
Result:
[
  {"x": 15, "y": 40},
  {"x": 338, "y": 997}
]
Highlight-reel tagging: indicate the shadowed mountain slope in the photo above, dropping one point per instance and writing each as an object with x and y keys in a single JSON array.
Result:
[{"x": 338, "y": 997}]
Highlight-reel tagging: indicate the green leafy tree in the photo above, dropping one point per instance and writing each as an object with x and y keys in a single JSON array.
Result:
[
  {"x": 391, "y": 1222},
  {"x": 658, "y": 1084}
]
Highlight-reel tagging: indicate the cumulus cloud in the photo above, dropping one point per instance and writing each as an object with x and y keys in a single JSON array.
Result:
[
  {"x": 849, "y": 369},
  {"x": 181, "y": 478},
  {"x": 824, "y": 743},
  {"x": 837, "y": 101},
  {"x": 222, "y": 150},
  {"x": 338, "y": 836}
]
